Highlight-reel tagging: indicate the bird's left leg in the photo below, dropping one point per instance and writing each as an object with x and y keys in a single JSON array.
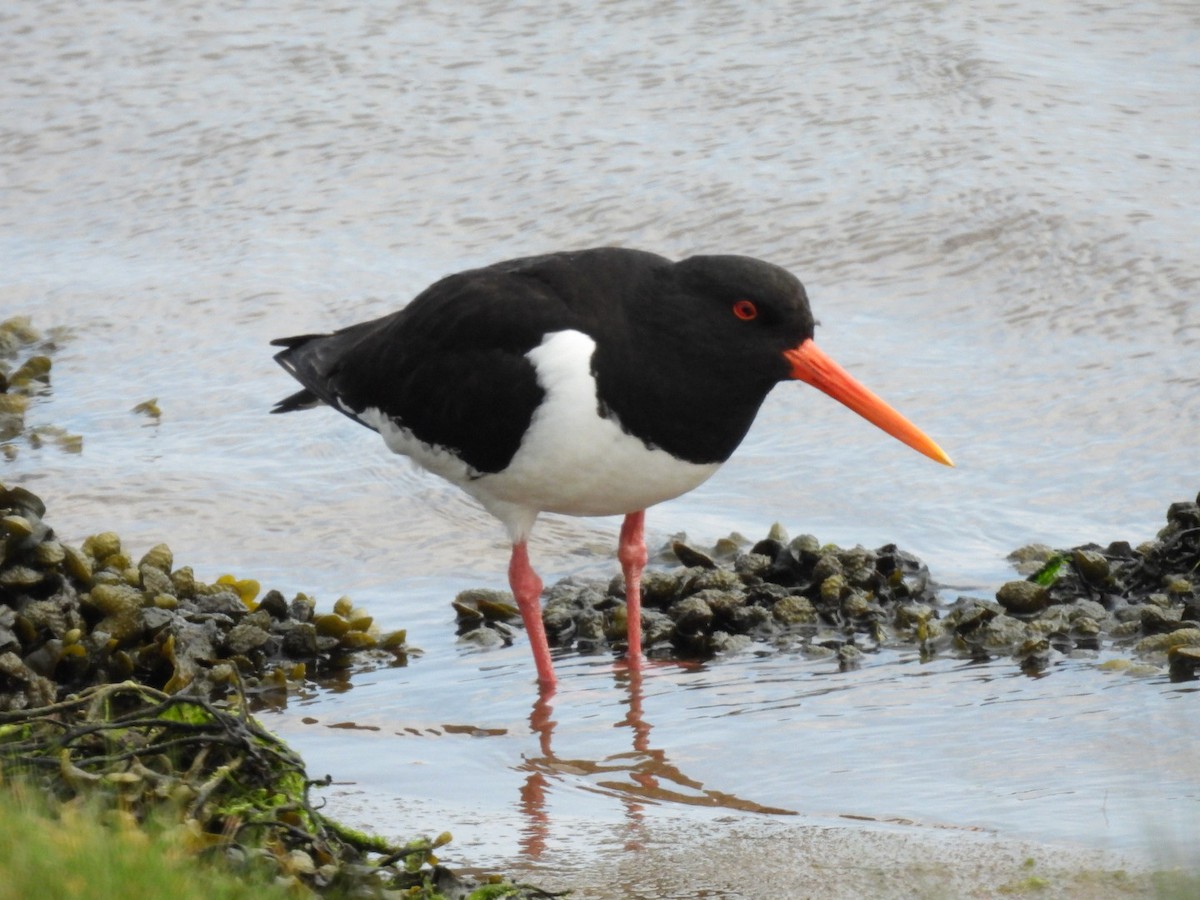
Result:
[{"x": 631, "y": 551}]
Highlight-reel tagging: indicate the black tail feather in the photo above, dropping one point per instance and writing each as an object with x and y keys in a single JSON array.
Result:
[
  {"x": 304, "y": 399},
  {"x": 295, "y": 341},
  {"x": 295, "y": 360}
]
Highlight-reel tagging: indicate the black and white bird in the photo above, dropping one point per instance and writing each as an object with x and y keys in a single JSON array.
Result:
[{"x": 590, "y": 383}]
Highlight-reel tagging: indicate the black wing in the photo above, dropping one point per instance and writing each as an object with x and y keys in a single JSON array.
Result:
[{"x": 451, "y": 367}]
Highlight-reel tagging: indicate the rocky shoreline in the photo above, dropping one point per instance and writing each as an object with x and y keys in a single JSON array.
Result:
[
  {"x": 94, "y": 644},
  {"x": 130, "y": 686}
]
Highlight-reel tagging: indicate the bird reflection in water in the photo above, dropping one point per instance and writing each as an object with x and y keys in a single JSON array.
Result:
[{"x": 637, "y": 777}]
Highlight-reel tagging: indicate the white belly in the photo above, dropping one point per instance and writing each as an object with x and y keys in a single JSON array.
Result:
[
  {"x": 571, "y": 460},
  {"x": 574, "y": 461}
]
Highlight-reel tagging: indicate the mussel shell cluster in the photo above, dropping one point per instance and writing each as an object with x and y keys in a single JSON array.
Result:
[
  {"x": 822, "y": 600},
  {"x": 779, "y": 593},
  {"x": 1144, "y": 600},
  {"x": 73, "y": 617},
  {"x": 25, "y": 374}
]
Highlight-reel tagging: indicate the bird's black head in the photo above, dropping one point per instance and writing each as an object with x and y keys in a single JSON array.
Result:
[
  {"x": 700, "y": 344},
  {"x": 696, "y": 346},
  {"x": 747, "y": 310}
]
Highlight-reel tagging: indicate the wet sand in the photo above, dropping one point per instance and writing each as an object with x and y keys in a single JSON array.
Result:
[{"x": 750, "y": 861}]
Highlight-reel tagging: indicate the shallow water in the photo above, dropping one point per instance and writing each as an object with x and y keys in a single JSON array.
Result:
[{"x": 995, "y": 213}]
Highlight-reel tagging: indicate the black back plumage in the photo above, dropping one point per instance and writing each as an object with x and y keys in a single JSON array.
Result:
[{"x": 672, "y": 365}]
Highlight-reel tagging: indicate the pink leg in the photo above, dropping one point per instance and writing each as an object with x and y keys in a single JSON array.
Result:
[
  {"x": 527, "y": 588},
  {"x": 631, "y": 551}
]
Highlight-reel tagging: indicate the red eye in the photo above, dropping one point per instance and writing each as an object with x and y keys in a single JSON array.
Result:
[{"x": 745, "y": 310}]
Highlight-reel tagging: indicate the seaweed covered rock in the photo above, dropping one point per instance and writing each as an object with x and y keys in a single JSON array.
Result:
[
  {"x": 123, "y": 685},
  {"x": 73, "y": 617},
  {"x": 224, "y": 785}
]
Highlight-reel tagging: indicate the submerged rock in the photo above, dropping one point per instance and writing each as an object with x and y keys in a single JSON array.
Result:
[{"x": 1023, "y": 597}]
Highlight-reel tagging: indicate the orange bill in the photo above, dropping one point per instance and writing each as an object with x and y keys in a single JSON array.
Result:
[{"x": 811, "y": 365}]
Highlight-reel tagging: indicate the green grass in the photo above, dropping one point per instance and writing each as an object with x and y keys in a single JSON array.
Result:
[{"x": 73, "y": 855}]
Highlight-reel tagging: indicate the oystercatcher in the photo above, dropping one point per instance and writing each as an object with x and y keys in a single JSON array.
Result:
[{"x": 591, "y": 383}]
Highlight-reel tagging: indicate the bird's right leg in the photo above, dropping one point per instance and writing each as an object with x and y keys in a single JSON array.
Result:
[{"x": 527, "y": 589}]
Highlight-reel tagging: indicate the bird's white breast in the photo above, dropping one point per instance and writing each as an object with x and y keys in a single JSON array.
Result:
[{"x": 571, "y": 460}]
